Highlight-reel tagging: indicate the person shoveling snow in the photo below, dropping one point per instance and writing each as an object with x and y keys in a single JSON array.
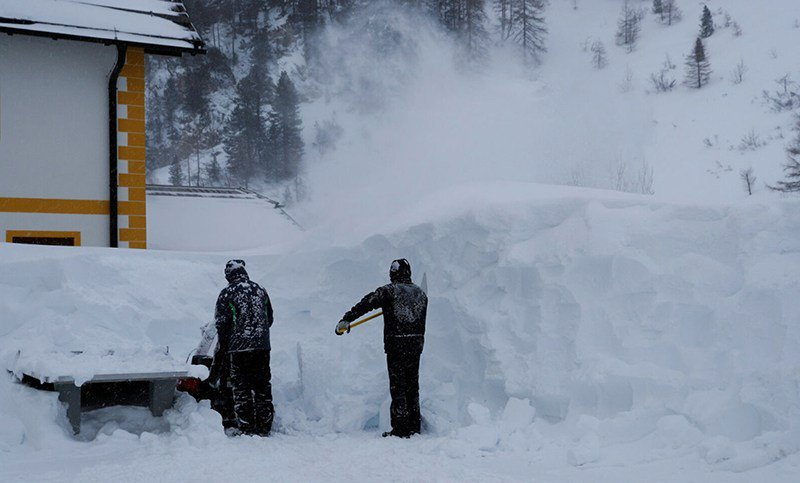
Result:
[
  {"x": 243, "y": 318},
  {"x": 404, "y": 307}
]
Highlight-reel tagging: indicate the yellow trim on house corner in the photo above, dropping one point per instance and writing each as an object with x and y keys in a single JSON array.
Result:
[{"x": 52, "y": 205}]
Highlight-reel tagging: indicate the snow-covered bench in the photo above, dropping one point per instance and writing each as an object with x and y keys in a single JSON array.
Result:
[
  {"x": 160, "y": 392},
  {"x": 101, "y": 379}
]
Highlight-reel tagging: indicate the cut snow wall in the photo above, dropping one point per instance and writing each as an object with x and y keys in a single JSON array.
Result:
[{"x": 606, "y": 307}]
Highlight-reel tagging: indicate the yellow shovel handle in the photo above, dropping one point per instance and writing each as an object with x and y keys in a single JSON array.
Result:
[{"x": 365, "y": 319}]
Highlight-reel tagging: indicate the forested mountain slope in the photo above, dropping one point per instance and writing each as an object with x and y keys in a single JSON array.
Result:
[{"x": 299, "y": 97}]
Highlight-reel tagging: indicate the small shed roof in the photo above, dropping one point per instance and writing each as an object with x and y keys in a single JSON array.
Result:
[{"x": 160, "y": 26}]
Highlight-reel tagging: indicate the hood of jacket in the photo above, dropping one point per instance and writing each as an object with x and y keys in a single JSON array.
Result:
[
  {"x": 400, "y": 271},
  {"x": 234, "y": 270}
]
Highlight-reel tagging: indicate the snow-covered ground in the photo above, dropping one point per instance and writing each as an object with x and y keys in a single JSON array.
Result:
[{"x": 572, "y": 335}]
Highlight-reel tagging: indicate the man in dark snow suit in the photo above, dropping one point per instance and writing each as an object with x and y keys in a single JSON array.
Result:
[
  {"x": 243, "y": 318},
  {"x": 404, "y": 307}
]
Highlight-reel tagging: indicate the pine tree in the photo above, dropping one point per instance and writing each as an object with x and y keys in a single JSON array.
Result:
[
  {"x": 628, "y": 27},
  {"x": 698, "y": 68},
  {"x": 245, "y": 138},
  {"x": 658, "y": 8},
  {"x": 706, "y": 23},
  {"x": 503, "y": 10},
  {"x": 308, "y": 15},
  {"x": 214, "y": 171},
  {"x": 261, "y": 46},
  {"x": 467, "y": 20},
  {"x": 201, "y": 75},
  {"x": 175, "y": 173},
  {"x": 474, "y": 34},
  {"x": 249, "y": 11},
  {"x": 792, "y": 166},
  {"x": 285, "y": 132},
  {"x": 450, "y": 13},
  {"x": 527, "y": 28},
  {"x": 599, "y": 59}
]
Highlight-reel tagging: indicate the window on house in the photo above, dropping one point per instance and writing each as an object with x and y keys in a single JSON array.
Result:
[
  {"x": 42, "y": 240},
  {"x": 61, "y": 238}
]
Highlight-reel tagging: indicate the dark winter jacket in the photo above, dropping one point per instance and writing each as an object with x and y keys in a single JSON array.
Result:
[
  {"x": 405, "y": 308},
  {"x": 243, "y": 314}
]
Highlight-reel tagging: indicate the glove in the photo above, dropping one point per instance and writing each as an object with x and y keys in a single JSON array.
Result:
[{"x": 342, "y": 327}]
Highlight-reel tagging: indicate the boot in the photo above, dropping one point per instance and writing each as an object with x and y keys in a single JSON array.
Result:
[{"x": 396, "y": 434}]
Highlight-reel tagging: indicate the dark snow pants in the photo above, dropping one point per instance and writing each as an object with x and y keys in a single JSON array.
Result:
[
  {"x": 402, "y": 358},
  {"x": 222, "y": 399},
  {"x": 252, "y": 391}
]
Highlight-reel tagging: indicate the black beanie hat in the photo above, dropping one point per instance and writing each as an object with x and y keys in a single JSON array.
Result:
[{"x": 400, "y": 270}]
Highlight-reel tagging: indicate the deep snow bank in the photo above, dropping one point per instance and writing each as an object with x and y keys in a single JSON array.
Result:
[{"x": 593, "y": 321}]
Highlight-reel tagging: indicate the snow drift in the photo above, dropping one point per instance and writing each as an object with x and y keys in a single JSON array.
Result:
[{"x": 603, "y": 327}]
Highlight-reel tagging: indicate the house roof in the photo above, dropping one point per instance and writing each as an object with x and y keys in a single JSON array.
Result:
[{"x": 160, "y": 26}]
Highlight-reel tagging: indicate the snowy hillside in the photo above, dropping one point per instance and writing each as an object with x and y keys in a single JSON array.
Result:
[
  {"x": 388, "y": 95},
  {"x": 564, "y": 122},
  {"x": 571, "y": 334}
]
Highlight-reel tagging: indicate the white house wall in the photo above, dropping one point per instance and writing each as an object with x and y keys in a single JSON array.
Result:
[
  {"x": 54, "y": 118},
  {"x": 54, "y": 136}
]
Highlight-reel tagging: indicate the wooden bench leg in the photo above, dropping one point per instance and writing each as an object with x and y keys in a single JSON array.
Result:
[
  {"x": 162, "y": 393},
  {"x": 70, "y": 394}
]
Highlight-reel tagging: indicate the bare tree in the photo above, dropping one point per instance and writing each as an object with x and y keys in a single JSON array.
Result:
[
  {"x": 662, "y": 81},
  {"x": 786, "y": 97},
  {"x": 751, "y": 141},
  {"x": 667, "y": 11},
  {"x": 668, "y": 64},
  {"x": 645, "y": 179},
  {"x": 749, "y": 179},
  {"x": 672, "y": 14},
  {"x": 738, "y": 72},
  {"x": 639, "y": 181},
  {"x": 626, "y": 85}
]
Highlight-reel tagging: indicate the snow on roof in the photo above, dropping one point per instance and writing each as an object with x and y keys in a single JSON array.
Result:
[{"x": 160, "y": 26}]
